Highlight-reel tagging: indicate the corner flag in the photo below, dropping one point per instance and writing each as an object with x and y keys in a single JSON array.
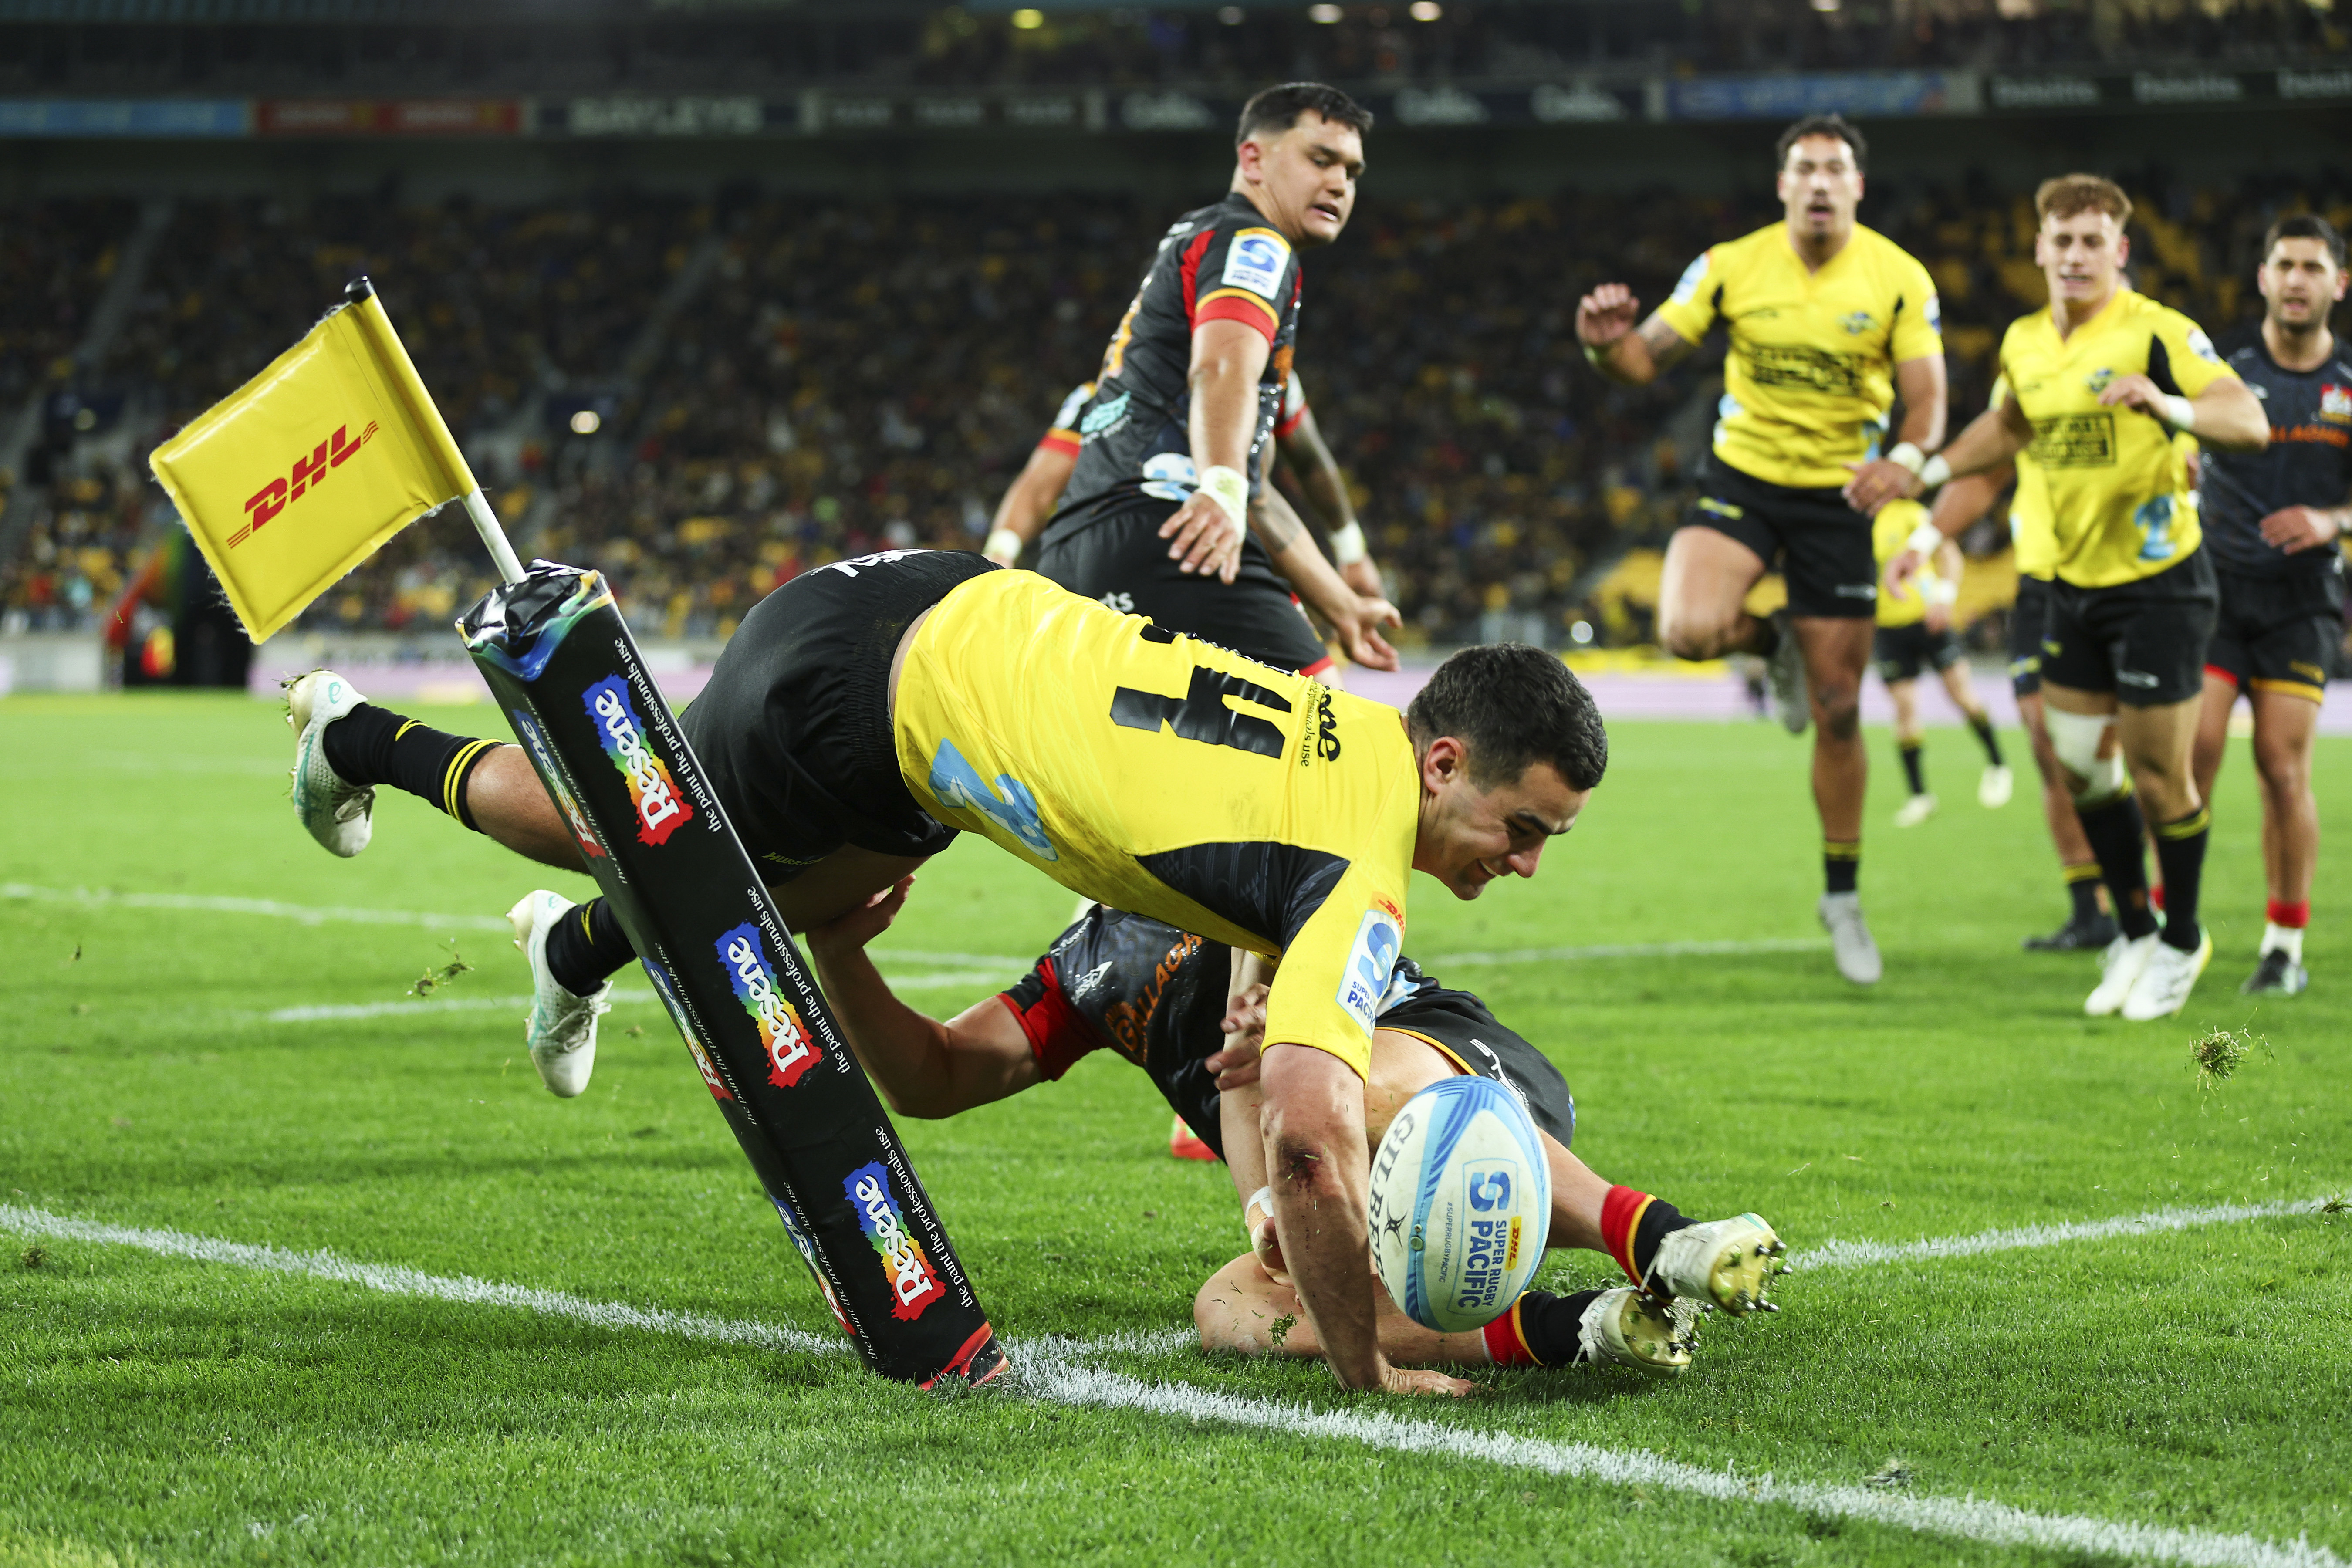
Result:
[{"x": 304, "y": 471}]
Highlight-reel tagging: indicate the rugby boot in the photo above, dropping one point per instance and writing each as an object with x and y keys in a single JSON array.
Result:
[
  {"x": 2119, "y": 971},
  {"x": 1994, "y": 786},
  {"x": 562, "y": 1028},
  {"x": 337, "y": 814},
  {"x": 2076, "y": 936},
  {"x": 1786, "y": 672},
  {"x": 1915, "y": 811},
  {"x": 2163, "y": 986},
  {"x": 1186, "y": 1144},
  {"x": 1627, "y": 1329},
  {"x": 1849, "y": 941},
  {"x": 2276, "y": 974},
  {"x": 1726, "y": 1263}
]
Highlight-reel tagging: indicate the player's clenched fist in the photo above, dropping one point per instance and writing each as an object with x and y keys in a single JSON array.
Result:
[{"x": 1606, "y": 314}]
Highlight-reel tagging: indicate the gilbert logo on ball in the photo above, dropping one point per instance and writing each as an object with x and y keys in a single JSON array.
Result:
[{"x": 1461, "y": 1204}]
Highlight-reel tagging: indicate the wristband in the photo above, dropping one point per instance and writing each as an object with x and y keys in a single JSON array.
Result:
[
  {"x": 1596, "y": 356},
  {"x": 1934, "y": 472},
  {"x": 2176, "y": 412},
  {"x": 1907, "y": 456},
  {"x": 1348, "y": 545},
  {"x": 1941, "y": 592},
  {"x": 1261, "y": 1199},
  {"x": 1229, "y": 489},
  {"x": 1004, "y": 545},
  {"x": 1926, "y": 539}
]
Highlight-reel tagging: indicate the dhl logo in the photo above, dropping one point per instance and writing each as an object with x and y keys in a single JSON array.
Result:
[{"x": 310, "y": 472}]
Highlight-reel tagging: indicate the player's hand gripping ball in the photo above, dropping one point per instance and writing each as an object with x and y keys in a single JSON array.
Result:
[{"x": 1461, "y": 1204}]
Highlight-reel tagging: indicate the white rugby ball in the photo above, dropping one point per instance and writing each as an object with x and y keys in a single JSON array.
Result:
[{"x": 1461, "y": 1204}]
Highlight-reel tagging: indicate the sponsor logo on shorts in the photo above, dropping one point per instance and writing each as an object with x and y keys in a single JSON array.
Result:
[
  {"x": 2310, "y": 672},
  {"x": 1254, "y": 261},
  {"x": 2138, "y": 678},
  {"x": 661, "y": 810},
  {"x": 792, "y": 1050},
  {"x": 1494, "y": 1239},
  {"x": 1370, "y": 961},
  {"x": 1857, "y": 590},
  {"x": 534, "y": 739},
  {"x": 914, "y": 1285}
]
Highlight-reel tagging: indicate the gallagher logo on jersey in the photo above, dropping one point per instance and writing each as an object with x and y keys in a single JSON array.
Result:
[
  {"x": 661, "y": 810},
  {"x": 1370, "y": 962},
  {"x": 792, "y": 1051},
  {"x": 914, "y": 1285}
]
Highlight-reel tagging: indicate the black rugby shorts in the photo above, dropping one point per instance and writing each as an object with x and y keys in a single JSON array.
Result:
[
  {"x": 2143, "y": 641},
  {"x": 1820, "y": 544},
  {"x": 2278, "y": 633}
]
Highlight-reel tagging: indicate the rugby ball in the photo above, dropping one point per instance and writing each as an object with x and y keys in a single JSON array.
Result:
[{"x": 1461, "y": 1204}]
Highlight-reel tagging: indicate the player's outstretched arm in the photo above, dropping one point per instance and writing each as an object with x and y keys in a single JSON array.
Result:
[
  {"x": 1206, "y": 533},
  {"x": 1309, "y": 456},
  {"x": 1357, "y": 620},
  {"x": 1022, "y": 514},
  {"x": 1615, "y": 346},
  {"x": 922, "y": 1067}
]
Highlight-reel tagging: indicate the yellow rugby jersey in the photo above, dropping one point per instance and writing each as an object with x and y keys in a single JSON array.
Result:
[
  {"x": 1167, "y": 777},
  {"x": 2030, "y": 531},
  {"x": 1890, "y": 531},
  {"x": 1810, "y": 376},
  {"x": 2121, "y": 508}
]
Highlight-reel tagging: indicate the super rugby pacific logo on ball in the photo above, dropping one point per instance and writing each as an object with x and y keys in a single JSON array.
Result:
[{"x": 1461, "y": 1204}]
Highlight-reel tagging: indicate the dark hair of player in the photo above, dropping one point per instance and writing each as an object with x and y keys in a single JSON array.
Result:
[
  {"x": 1512, "y": 706},
  {"x": 2305, "y": 226},
  {"x": 2069, "y": 194},
  {"x": 1835, "y": 125},
  {"x": 1278, "y": 108}
]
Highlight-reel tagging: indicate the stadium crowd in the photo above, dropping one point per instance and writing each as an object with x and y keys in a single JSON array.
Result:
[{"x": 857, "y": 375}]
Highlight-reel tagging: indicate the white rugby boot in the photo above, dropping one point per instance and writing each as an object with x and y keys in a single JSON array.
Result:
[
  {"x": 1850, "y": 943},
  {"x": 1786, "y": 672},
  {"x": 1994, "y": 786},
  {"x": 337, "y": 814},
  {"x": 2163, "y": 986},
  {"x": 2119, "y": 971},
  {"x": 1724, "y": 1263},
  {"x": 1915, "y": 810},
  {"x": 561, "y": 1030},
  {"x": 1625, "y": 1328}
]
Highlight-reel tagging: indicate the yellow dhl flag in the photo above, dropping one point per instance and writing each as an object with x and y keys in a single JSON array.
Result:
[{"x": 305, "y": 470}]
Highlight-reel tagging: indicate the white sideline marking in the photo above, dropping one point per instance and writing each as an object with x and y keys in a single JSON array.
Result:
[
  {"x": 1857, "y": 1254},
  {"x": 622, "y": 996},
  {"x": 1038, "y": 1373},
  {"x": 1635, "y": 950}
]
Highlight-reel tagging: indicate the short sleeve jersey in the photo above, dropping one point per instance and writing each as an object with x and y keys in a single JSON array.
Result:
[
  {"x": 2117, "y": 483},
  {"x": 1811, "y": 376},
  {"x": 1062, "y": 436},
  {"x": 2308, "y": 463},
  {"x": 1161, "y": 774},
  {"x": 1221, "y": 263},
  {"x": 1890, "y": 531},
  {"x": 2030, "y": 531}
]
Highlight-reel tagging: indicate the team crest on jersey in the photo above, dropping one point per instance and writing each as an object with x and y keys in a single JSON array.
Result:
[
  {"x": 1255, "y": 260},
  {"x": 2335, "y": 401},
  {"x": 1858, "y": 323},
  {"x": 1935, "y": 313},
  {"x": 2097, "y": 380},
  {"x": 1686, "y": 287},
  {"x": 2203, "y": 346},
  {"x": 1370, "y": 962}
]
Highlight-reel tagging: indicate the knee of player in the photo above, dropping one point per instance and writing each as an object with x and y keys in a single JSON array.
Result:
[
  {"x": 2284, "y": 766},
  {"x": 1235, "y": 1309},
  {"x": 1840, "y": 708},
  {"x": 1690, "y": 636},
  {"x": 2076, "y": 741}
]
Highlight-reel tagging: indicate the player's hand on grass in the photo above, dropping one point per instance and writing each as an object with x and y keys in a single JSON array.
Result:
[
  {"x": 1204, "y": 538},
  {"x": 1901, "y": 570},
  {"x": 2295, "y": 529},
  {"x": 1421, "y": 1380},
  {"x": 1606, "y": 314},
  {"x": 1236, "y": 1066},
  {"x": 863, "y": 923},
  {"x": 1359, "y": 628},
  {"x": 1878, "y": 481}
]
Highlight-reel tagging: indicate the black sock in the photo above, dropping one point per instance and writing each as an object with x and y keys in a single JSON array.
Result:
[
  {"x": 1841, "y": 865},
  {"x": 2083, "y": 887},
  {"x": 1660, "y": 1219},
  {"x": 1768, "y": 638},
  {"x": 2117, "y": 832},
  {"x": 372, "y": 745},
  {"x": 588, "y": 947},
  {"x": 2181, "y": 857},
  {"x": 1911, "y": 769},
  {"x": 1550, "y": 1326},
  {"x": 1983, "y": 724}
]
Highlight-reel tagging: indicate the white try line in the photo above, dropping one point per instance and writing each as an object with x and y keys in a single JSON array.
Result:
[
  {"x": 623, "y": 996},
  {"x": 1049, "y": 1368},
  {"x": 1635, "y": 950},
  {"x": 1862, "y": 1254}
]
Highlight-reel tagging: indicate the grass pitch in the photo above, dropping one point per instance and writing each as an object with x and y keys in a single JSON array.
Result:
[{"x": 159, "y": 1409}]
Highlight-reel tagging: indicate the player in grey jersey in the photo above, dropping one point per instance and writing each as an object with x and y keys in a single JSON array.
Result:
[{"x": 2271, "y": 521}]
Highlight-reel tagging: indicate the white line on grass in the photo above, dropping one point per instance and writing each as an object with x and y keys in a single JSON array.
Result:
[
  {"x": 1858, "y": 1254},
  {"x": 1634, "y": 950},
  {"x": 1046, "y": 1368}
]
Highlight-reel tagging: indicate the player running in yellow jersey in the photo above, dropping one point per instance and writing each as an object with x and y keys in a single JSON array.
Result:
[
  {"x": 2099, "y": 383},
  {"x": 865, "y": 712},
  {"x": 1915, "y": 633},
  {"x": 1828, "y": 319}
]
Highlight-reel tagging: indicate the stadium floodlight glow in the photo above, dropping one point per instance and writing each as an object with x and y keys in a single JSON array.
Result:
[
  {"x": 1231, "y": 15},
  {"x": 1827, "y": 5},
  {"x": 1425, "y": 10},
  {"x": 1326, "y": 14},
  {"x": 587, "y": 422},
  {"x": 1580, "y": 633},
  {"x": 1027, "y": 18}
]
